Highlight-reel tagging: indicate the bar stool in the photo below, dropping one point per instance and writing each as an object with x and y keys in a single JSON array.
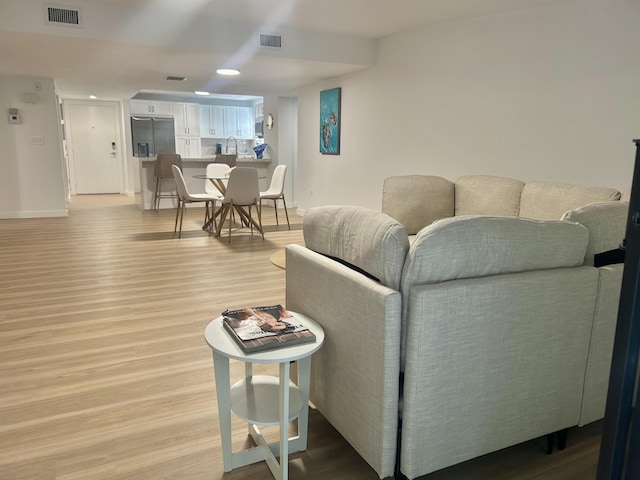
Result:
[{"x": 162, "y": 170}]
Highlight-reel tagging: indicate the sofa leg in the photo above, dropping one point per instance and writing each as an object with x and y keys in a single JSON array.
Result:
[
  {"x": 558, "y": 439},
  {"x": 396, "y": 474},
  {"x": 551, "y": 443},
  {"x": 562, "y": 438}
]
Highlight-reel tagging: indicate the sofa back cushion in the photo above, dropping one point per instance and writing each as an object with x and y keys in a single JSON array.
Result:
[
  {"x": 550, "y": 200},
  {"x": 487, "y": 195},
  {"x": 480, "y": 246},
  {"x": 417, "y": 200},
  {"x": 368, "y": 240},
  {"x": 606, "y": 221}
]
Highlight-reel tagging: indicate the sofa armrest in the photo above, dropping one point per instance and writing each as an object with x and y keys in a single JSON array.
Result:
[
  {"x": 368, "y": 240},
  {"x": 355, "y": 375},
  {"x": 606, "y": 222},
  {"x": 550, "y": 200}
]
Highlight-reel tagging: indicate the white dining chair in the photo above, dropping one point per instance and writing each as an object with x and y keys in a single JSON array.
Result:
[
  {"x": 215, "y": 170},
  {"x": 275, "y": 191},
  {"x": 184, "y": 197},
  {"x": 242, "y": 191}
]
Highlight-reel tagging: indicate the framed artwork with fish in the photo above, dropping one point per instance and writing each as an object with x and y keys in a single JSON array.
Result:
[{"x": 330, "y": 121}]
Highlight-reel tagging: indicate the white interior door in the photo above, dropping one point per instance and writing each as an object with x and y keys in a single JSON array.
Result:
[{"x": 93, "y": 138}]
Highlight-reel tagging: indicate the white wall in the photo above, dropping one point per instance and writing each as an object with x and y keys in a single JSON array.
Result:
[
  {"x": 32, "y": 180},
  {"x": 549, "y": 93}
]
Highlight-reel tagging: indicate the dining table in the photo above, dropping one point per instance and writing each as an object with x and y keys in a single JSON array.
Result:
[{"x": 219, "y": 182}]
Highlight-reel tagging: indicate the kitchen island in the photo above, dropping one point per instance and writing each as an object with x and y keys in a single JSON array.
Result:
[{"x": 190, "y": 167}]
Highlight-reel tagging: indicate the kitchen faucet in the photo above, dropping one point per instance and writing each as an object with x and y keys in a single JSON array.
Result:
[{"x": 226, "y": 148}]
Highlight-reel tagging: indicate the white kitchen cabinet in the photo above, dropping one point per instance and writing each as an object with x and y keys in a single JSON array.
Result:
[
  {"x": 150, "y": 107},
  {"x": 246, "y": 127},
  {"x": 238, "y": 122},
  {"x": 188, "y": 147},
  {"x": 212, "y": 121},
  {"x": 186, "y": 117}
]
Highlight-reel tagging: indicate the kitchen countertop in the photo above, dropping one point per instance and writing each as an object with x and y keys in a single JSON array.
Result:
[{"x": 145, "y": 161}]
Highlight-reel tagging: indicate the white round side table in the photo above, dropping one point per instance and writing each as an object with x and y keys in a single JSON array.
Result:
[{"x": 263, "y": 400}]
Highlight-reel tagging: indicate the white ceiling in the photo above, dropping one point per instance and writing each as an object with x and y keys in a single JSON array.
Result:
[{"x": 127, "y": 46}]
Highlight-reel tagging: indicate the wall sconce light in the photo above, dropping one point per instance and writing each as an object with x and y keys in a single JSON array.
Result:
[{"x": 269, "y": 122}]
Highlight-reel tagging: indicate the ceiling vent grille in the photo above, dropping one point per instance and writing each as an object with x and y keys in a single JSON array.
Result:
[
  {"x": 271, "y": 41},
  {"x": 59, "y": 15},
  {"x": 175, "y": 78}
]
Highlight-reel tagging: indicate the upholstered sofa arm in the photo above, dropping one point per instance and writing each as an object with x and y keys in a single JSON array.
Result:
[
  {"x": 550, "y": 200},
  {"x": 368, "y": 240},
  {"x": 355, "y": 375},
  {"x": 606, "y": 222}
]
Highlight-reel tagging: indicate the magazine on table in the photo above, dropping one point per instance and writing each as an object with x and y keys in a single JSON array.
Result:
[{"x": 263, "y": 328}]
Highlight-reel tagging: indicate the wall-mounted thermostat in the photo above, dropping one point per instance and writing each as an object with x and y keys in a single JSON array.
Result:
[{"x": 14, "y": 116}]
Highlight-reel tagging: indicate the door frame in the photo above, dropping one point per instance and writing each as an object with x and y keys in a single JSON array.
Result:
[{"x": 66, "y": 103}]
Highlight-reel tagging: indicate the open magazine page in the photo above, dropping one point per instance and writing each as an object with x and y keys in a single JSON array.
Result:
[{"x": 260, "y": 322}]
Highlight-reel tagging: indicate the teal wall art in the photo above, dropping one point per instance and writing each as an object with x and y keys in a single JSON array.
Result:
[{"x": 330, "y": 121}]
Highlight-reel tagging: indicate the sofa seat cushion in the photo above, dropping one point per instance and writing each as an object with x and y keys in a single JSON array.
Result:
[
  {"x": 417, "y": 200},
  {"x": 487, "y": 195},
  {"x": 551, "y": 200},
  {"x": 479, "y": 246},
  {"x": 369, "y": 240},
  {"x": 606, "y": 222}
]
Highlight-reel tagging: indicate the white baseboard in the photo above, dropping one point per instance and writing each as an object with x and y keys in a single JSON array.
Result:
[{"x": 36, "y": 214}]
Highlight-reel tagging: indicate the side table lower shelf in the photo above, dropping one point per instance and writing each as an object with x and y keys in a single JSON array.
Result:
[{"x": 255, "y": 399}]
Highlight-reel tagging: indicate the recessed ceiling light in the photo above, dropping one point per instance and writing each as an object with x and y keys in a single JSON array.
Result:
[
  {"x": 227, "y": 71},
  {"x": 204, "y": 94},
  {"x": 92, "y": 97}
]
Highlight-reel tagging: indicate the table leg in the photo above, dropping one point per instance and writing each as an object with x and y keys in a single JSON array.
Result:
[
  {"x": 304, "y": 376},
  {"x": 223, "y": 391},
  {"x": 245, "y": 215},
  {"x": 284, "y": 420}
]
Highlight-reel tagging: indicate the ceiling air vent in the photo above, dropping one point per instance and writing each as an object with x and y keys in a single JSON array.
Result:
[
  {"x": 175, "y": 78},
  {"x": 60, "y": 15},
  {"x": 273, "y": 41}
]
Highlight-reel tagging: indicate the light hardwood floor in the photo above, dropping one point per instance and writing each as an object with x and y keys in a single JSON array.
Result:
[{"x": 104, "y": 370}]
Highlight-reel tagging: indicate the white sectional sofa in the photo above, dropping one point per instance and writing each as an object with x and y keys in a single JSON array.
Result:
[{"x": 486, "y": 330}]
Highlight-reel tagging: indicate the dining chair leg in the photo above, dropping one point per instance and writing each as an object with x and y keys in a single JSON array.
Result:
[
  {"x": 259, "y": 209},
  {"x": 175, "y": 225},
  {"x": 275, "y": 207},
  {"x": 207, "y": 217},
  {"x": 250, "y": 218},
  {"x": 184, "y": 205},
  {"x": 155, "y": 196},
  {"x": 212, "y": 216},
  {"x": 223, "y": 215},
  {"x": 230, "y": 208},
  {"x": 284, "y": 202}
]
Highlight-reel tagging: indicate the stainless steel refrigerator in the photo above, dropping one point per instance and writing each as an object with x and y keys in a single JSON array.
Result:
[{"x": 152, "y": 135}]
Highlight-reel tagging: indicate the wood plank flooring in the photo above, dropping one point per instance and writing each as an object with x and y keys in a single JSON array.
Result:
[{"x": 104, "y": 372}]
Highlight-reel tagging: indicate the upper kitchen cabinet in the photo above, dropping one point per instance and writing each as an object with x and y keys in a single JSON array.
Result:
[
  {"x": 212, "y": 121},
  {"x": 238, "y": 122},
  {"x": 187, "y": 119},
  {"x": 150, "y": 107}
]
